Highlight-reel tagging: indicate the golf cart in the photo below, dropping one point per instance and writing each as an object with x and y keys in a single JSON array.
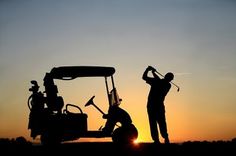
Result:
[{"x": 53, "y": 121}]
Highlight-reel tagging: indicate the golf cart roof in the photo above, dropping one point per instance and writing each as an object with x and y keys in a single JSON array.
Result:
[{"x": 71, "y": 72}]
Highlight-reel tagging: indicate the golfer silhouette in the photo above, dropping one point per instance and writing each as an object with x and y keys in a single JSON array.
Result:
[{"x": 155, "y": 104}]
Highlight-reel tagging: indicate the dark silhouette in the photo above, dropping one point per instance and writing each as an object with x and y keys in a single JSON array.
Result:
[
  {"x": 155, "y": 105},
  {"x": 21, "y": 147},
  {"x": 127, "y": 132},
  {"x": 55, "y": 125},
  {"x": 36, "y": 105}
]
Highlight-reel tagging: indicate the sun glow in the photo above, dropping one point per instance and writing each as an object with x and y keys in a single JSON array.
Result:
[{"x": 136, "y": 141}]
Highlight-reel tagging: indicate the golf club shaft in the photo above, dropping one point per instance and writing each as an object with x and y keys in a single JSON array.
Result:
[{"x": 170, "y": 82}]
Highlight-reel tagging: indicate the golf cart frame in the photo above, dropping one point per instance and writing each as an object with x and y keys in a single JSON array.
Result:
[{"x": 51, "y": 119}]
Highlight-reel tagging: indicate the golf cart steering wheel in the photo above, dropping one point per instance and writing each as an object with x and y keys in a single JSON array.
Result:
[{"x": 90, "y": 101}]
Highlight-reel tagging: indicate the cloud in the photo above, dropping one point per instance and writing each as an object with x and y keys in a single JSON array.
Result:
[
  {"x": 183, "y": 73},
  {"x": 231, "y": 79}
]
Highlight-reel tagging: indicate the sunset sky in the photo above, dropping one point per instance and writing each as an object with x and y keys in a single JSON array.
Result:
[{"x": 194, "y": 39}]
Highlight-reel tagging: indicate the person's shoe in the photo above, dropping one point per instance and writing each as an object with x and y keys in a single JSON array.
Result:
[
  {"x": 167, "y": 141},
  {"x": 157, "y": 142}
]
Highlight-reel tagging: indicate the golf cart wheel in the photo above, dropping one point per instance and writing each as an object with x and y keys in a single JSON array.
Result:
[{"x": 125, "y": 134}]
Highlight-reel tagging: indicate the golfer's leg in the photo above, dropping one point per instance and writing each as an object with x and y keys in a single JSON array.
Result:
[
  {"x": 163, "y": 127},
  {"x": 153, "y": 126}
]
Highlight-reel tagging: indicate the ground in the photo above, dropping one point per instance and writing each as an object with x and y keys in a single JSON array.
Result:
[{"x": 24, "y": 147}]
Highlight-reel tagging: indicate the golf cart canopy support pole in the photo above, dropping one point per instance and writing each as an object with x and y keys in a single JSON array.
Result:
[{"x": 107, "y": 90}]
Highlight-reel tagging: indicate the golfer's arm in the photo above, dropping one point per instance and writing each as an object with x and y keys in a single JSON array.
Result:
[
  {"x": 145, "y": 73},
  {"x": 155, "y": 75}
]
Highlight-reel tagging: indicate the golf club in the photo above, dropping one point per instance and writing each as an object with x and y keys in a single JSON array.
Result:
[{"x": 164, "y": 76}]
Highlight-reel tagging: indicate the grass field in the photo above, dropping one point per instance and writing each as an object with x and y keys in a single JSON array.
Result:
[{"x": 21, "y": 146}]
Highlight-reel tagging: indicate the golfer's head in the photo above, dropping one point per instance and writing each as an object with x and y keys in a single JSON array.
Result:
[{"x": 169, "y": 76}]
